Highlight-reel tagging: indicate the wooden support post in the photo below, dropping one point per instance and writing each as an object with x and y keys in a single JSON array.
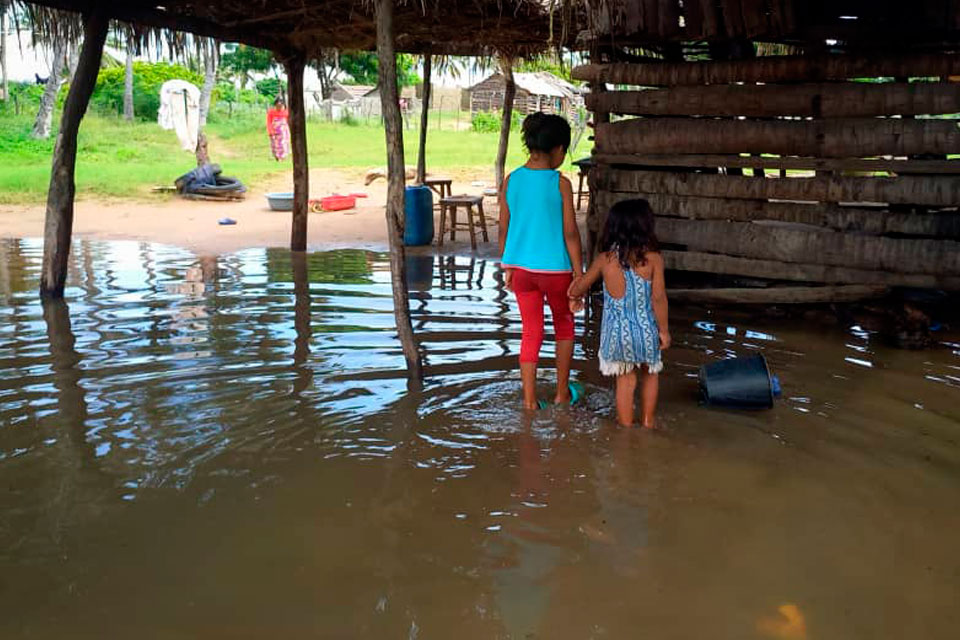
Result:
[
  {"x": 509, "y": 93},
  {"x": 424, "y": 117},
  {"x": 58, "y": 226},
  {"x": 298, "y": 142},
  {"x": 594, "y": 215},
  {"x": 396, "y": 174}
]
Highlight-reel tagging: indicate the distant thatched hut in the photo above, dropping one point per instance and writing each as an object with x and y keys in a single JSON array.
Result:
[{"x": 537, "y": 91}]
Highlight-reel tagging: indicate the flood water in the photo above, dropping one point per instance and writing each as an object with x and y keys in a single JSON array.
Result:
[{"x": 227, "y": 448}]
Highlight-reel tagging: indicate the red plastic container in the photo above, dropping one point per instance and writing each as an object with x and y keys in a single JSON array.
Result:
[{"x": 338, "y": 203}]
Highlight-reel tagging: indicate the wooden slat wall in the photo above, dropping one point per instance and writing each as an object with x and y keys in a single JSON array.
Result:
[{"x": 859, "y": 192}]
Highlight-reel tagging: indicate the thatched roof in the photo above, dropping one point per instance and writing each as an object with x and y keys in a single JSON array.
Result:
[
  {"x": 523, "y": 27},
  {"x": 465, "y": 27},
  {"x": 811, "y": 24}
]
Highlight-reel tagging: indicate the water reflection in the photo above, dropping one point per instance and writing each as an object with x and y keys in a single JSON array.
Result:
[{"x": 231, "y": 439}]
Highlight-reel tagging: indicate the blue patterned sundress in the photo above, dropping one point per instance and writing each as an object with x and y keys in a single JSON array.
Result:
[{"x": 629, "y": 336}]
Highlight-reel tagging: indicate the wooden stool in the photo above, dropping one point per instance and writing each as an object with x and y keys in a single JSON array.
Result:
[
  {"x": 476, "y": 221},
  {"x": 584, "y": 165}
]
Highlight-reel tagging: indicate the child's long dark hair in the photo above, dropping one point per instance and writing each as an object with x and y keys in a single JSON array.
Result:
[{"x": 629, "y": 233}]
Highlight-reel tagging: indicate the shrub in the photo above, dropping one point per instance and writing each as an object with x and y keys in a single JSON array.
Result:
[
  {"x": 23, "y": 95},
  {"x": 269, "y": 87},
  {"x": 349, "y": 119},
  {"x": 485, "y": 122},
  {"x": 489, "y": 121},
  {"x": 148, "y": 77}
]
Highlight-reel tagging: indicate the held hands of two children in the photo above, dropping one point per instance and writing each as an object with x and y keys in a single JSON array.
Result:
[{"x": 576, "y": 299}]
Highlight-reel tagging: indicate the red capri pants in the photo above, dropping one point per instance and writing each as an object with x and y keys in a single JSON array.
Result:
[{"x": 531, "y": 289}]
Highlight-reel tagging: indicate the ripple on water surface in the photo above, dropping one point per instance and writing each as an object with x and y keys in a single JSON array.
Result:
[{"x": 232, "y": 439}]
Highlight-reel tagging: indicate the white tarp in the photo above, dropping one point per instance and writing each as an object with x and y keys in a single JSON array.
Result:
[{"x": 180, "y": 111}]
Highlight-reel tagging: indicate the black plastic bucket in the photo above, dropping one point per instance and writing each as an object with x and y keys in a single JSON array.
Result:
[{"x": 739, "y": 383}]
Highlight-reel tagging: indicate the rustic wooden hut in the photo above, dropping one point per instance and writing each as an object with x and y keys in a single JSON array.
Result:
[
  {"x": 803, "y": 148},
  {"x": 536, "y": 91}
]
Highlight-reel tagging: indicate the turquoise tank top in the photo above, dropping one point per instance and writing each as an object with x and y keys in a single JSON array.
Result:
[{"x": 535, "y": 239}]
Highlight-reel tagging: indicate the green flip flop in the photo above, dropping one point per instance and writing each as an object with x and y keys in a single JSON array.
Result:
[{"x": 577, "y": 392}]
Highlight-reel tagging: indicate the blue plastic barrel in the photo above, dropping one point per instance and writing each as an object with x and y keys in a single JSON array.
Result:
[
  {"x": 419, "y": 216},
  {"x": 419, "y": 272}
]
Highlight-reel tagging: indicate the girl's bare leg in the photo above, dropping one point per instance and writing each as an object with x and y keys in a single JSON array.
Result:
[
  {"x": 626, "y": 387},
  {"x": 650, "y": 388},
  {"x": 528, "y": 377},
  {"x": 564, "y": 357}
]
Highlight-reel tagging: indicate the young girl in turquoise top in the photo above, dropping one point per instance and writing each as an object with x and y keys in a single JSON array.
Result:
[{"x": 540, "y": 248}]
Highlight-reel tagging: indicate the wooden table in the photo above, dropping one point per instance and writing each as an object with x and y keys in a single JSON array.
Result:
[{"x": 443, "y": 187}]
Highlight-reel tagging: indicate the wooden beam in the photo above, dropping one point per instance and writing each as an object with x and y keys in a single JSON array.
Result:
[
  {"x": 424, "y": 118},
  {"x": 298, "y": 137},
  {"x": 875, "y": 220},
  {"x": 58, "y": 224},
  {"x": 942, "y": 191},
  {"x": 396, "y": 171},
  {"x": 506, "y": 120},
  {"x": 824, "y": 100},
  {"x": 775, "y": 270},
  {"x": 771, "y": 242},
  {"x": 878, "y": 165},
  {"x": 772, "y": 69},
  {"x": 779, "y": 295},
  {"x": 821, "y": 138}
]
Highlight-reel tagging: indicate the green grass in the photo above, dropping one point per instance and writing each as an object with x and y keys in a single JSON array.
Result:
[{"x": 120, "y": 160}]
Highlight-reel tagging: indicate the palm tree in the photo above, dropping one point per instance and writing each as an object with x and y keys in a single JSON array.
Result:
[
  {"x": 5, "y": 88},
  {"x": 62, "y": 62},
  {"x": 210, "y": 52},
  {"x": 128, "y": 75}
]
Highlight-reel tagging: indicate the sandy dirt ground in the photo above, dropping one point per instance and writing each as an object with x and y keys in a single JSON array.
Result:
[{"x": 194, "y": 224}]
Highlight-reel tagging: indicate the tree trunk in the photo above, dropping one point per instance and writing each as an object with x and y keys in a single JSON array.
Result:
[
  {"x": 424, "y": 117},
  {"x": 771, "y": 69},
  {"x": 942, "y": 191},
  {"x": 211, "y": 58},
  {"x": 58, "y": 226},
  {"x": 767, "y": 242},
  {"x": 5, "y": 86},
  {"x": 774, "y": 270},
  {"x": 44, "y": 121},
  {"x": 712, "y": 161},
  {"x": 820, "y": 138},
  {"x": 128, "y": 79},
  {"x": 396, "y": 172},
  {"x": 298, "y": 141},
  {"x": 509, "y": 93},
  {"x": 827, "y": 100}
]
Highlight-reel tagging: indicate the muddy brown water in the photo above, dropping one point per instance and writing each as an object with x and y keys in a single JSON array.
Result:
[{"x": 227, "y": 448}]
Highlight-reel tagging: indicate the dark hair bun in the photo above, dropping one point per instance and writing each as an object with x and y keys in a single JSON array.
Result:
[{"x": 543, "y": 132}]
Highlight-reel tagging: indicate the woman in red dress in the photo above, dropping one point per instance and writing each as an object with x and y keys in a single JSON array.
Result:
[{"x": 278, "y": 128}]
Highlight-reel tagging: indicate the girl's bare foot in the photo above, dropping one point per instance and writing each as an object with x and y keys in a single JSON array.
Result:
[{"x": 563, "y": 396}]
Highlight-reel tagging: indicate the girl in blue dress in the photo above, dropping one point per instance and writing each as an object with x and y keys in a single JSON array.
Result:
[{"x": 634, "y": 326}]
